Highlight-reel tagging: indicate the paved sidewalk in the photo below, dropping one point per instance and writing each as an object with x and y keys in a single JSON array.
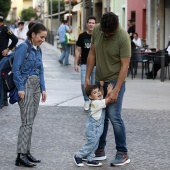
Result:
[
  {"x": 63, "y": 86},
  {"x": 58, "y": 130}
]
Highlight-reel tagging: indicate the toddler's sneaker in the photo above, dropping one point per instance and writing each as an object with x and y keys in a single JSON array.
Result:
[
  {"x": 78, "y": 161},
  {"x": 121, "y": 158},
  {"x": 94, "y": 163},
  {"x": 100, "y": 155}
]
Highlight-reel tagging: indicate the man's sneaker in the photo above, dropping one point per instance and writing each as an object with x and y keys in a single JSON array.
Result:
[
  {"x": 78, "y": 161},
  {"x": 86, "y": 105},
  {"x": 100, "y": 155},
  {"x": 94, "y": 163},
  {"x": 121, "y": 158},
  {"x": 84, "y": 159},
  {"x": 61, "y": 62}
]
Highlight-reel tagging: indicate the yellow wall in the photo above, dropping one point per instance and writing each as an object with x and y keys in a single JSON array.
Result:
[{"x": 23, "y": 4}]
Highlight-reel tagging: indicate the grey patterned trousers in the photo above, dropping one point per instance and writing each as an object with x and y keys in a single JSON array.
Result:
[{"x": 28, "y": 110}]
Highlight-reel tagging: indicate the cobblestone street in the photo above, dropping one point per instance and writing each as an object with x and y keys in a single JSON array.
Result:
[{"x": 59, "y": 132}]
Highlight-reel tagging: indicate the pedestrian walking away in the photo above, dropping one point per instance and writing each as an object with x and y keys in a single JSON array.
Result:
[
  {"x": 62, "y": 30},
  {"x": 81, "y": 53},
  {"x": 30, "y": 93},
  {"x": 94, "y": 124},
  {"x": 5, "y": 35},
  {"x": 111, "y": 51}
]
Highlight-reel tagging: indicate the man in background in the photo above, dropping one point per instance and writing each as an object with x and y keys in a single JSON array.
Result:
[
  {"x": 5, "y": 35},
  {"x": 62, "y": 30},
  {"x": 81, "y": 54},
  {"x": 131, "y": 28}
]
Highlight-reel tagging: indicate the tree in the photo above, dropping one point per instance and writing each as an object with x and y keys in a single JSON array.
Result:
[
  {"x": 26, "y": 14},
  {"x": 5, "y": 6}
]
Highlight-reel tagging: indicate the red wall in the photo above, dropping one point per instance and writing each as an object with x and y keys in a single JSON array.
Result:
[{"x": 138, "y": 6}]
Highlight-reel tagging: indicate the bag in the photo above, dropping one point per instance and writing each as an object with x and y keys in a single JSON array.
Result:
[
  {"x": 6, "y": 73},
  {"x": 70, "y": 38},
  {"x": 13, "y": 96}
]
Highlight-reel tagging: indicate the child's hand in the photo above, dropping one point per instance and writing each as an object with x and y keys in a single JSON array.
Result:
[
  {"x": 110, "y": 87},
  {"x": 101, "y": 83}
]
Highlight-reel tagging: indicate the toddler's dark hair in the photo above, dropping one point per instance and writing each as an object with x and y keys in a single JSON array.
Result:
[{"x": 90, "y": 88}]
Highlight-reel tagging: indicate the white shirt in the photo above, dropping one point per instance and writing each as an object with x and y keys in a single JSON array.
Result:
[
  {"x": 20, "y": 34},
  {"x": 138, "y": 42},
  {"x": 96, "y": 108},
  {"x": 168, "y": 49}
]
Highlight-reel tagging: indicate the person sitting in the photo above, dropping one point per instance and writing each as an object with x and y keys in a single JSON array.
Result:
[
  {"x": 137, "y": 40},
  {"x": 157, "y": 63}
]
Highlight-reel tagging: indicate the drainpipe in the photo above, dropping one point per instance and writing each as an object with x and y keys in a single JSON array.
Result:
[
  {"x": 90, "y": 7},
  {"x": 51, "y": 9},
  {"x": 84, "y": 15},
  {"x": 149, "y": 22},
  {"x": 108, "y": 5},
  {"x": 69, "y": 12}
]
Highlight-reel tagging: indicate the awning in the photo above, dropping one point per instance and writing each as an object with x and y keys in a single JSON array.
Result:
[{"x": 77, "y": 7}]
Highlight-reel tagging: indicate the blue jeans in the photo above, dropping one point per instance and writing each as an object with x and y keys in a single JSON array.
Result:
[
  {"x": 93, "y": 131},
  {"x": 65, "y": 53},
  {"x": 113, "y": 112},
  {"x": 92, "y": 79}
]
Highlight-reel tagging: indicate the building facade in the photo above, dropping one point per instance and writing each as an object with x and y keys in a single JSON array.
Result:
[
  {"x": 158, "y": 25},
  {"x": 136, "y": 11}
]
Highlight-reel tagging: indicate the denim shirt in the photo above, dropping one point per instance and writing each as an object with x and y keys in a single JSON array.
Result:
[{"x": 22, "y": 67}]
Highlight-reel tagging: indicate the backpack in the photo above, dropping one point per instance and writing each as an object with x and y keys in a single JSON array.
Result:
[{"x": 6, "y": 72}]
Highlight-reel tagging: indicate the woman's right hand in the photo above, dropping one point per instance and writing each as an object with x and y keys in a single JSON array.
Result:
[{"x": 21, "y": 94}]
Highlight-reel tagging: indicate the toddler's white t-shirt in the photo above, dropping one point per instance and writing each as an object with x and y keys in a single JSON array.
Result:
[{"x": 96, "y": 107}]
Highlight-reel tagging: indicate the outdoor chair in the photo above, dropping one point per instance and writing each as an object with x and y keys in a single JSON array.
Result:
[{"x": 138, "y": 57}]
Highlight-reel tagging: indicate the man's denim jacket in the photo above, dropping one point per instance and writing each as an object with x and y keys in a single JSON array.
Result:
[{"x": 22, "y": 67}]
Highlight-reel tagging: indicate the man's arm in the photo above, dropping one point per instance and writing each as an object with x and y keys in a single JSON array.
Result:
[
  {"x": 121, "y": 78},
  {"x": 108, "y": 98},
  {"x": 69, "y": 29},
  {"x": 101, "y": 87},
  {"x": 91, "y": 59},
  {"x": 14, "y": 40},
  {"x": 77, "y": 58}
]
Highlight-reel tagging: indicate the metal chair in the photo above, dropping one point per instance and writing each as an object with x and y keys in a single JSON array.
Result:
[{"x": 138, "y": 57}]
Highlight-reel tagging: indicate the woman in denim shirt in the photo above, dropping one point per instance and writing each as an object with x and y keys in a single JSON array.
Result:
[{"x": 31, "y": 91}]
